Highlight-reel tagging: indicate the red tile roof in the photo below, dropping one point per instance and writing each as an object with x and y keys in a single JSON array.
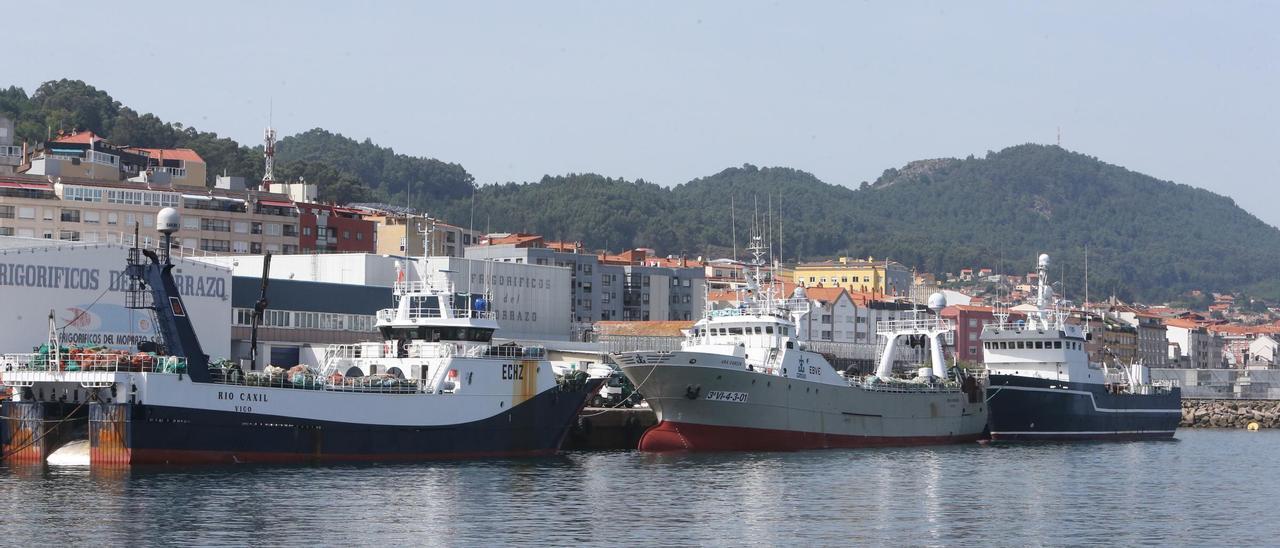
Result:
[
  {"x": 519, "y": 239},
  {"x": 824, "y": 294},
  {"x": 79, "y": 137},
  {"x": 722, "y": 295},
  {"x": 1184, "y": 323},
  {"x": 184, "y": 154}
]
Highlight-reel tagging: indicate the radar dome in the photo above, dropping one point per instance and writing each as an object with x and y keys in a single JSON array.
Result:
[
  {"x": 168, "y": 220},
  {"x": 937, "y": 301},
  {"x": 799, "y": 293},
  {"x": 1044, "y": 260}
]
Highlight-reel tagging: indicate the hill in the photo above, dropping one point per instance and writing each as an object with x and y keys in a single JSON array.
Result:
[
  {"x": 1146, "y": 238},
  {"x": 346, "y": 169}
]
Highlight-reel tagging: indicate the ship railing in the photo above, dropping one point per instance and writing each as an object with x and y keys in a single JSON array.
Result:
[
  {"x": 89, "y": 370},
  {"x": 914, "y": 325},
  {"x": 780, "y": 308},
  {"x": 403, "y": 288},
  {"x": 504, "y": 351},
  {"x": 872, "y": 382},
  {"x": 379, "y": 384},
  {"x": 71, "y": 362},
  {"x": 413, "y": 313},
  {"x": 655, "y": 357}
]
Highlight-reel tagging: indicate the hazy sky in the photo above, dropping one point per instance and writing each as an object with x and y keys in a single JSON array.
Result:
[{"x": 670, "y": 91}]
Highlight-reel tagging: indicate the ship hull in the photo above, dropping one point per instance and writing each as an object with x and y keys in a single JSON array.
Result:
[
  {"x": 1033, "y": 409},
  {"x": 132, "y": 433},
  {"x": 718, "y": 409}
]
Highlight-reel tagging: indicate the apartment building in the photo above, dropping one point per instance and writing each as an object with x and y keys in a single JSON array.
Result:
[
  {"x": 1191, "y": 345},
  {"x": 630, "y": 286},
  {"x": 328, "y": 228},
  {"x": 10, "y": 155},
  {"x": 1153, "y": 344},
  {"x": 85, "y": 210},
  {"x": 400, "y": 233},
  {"x": 868, "y": 275}
]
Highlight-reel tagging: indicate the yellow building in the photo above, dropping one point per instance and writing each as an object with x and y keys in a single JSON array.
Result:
[
  {"x": 862, "y": 275},
  {"x": 400, "y": 234}
]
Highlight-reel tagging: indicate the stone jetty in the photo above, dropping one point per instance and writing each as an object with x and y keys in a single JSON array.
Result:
[{"x": 1230, "y": 413}]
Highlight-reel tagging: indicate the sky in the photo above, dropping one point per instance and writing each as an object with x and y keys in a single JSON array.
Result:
[{"x": 671, "y": 91}]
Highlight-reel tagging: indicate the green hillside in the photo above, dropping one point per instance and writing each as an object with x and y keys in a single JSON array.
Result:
[{"x": 1147, "y": 239}]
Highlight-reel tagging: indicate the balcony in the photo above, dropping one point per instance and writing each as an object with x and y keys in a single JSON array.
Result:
[{"x": 10, "y": 155}]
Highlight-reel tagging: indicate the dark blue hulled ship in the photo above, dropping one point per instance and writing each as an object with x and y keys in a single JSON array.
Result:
[
  {"x": 1042, "y": 386},
  {"x": 433, "y": 388}
]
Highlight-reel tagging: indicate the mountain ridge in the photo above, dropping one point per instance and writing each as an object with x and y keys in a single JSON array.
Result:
[{"x": 1146, "y": 237}]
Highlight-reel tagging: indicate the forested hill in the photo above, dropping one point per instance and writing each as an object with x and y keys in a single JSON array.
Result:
[
  {"x": 346, "y": 169},
  {"x": 1146, "y": 238}
]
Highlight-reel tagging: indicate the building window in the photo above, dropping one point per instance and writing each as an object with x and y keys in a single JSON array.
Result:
[
  {"x": 215, "y": 225},
  {"x": 6, "y": 211},
  {"x": 71, "y": 215},
  {"x": 241, "y": 227},
  {"x": 359, "y": 236},
  {"x": 215, "y": 245}
]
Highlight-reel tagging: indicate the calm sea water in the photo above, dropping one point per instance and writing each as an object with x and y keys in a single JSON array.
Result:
[{"x": 1210, "y": 487}]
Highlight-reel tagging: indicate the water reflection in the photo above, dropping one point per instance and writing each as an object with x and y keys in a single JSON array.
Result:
[{"x": 1114, "y": 494}]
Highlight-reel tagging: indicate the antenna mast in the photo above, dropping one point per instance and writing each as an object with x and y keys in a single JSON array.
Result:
[
  {"x": 269, "y": 157},
  {"x": 733, "y": 227}
]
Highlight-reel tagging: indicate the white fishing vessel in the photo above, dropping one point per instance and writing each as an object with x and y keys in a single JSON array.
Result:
[
  {"x": 742, "y": 380},
  {"x": 433, "y": 387}
]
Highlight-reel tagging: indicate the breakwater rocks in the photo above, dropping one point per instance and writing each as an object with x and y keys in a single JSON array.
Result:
[{"x": 1230, "y": 413}]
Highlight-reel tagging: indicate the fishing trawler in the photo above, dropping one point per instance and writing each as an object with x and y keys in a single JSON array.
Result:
[
  {"x": 1042, "y": 386},
  {"x": 434, "y": 387},
  {"x": 743, "y": 380}
]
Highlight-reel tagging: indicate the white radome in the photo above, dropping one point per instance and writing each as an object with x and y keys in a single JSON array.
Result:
[
  {"x": 937, "y": 301},
  {"x": 1044, "y": 260},
  {"x": 168, "y": 220}
]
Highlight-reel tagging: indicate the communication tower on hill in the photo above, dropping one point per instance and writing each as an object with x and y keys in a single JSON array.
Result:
[{"x": 269, "y": 153}]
